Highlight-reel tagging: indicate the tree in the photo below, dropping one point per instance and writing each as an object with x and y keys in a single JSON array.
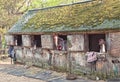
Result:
[{"x": 12, "y": 10}]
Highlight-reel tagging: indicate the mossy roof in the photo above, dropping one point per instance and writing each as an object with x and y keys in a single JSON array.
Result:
[{"x": 77, "y": 17}]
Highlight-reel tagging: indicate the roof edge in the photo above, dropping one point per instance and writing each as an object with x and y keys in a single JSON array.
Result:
[{"x": 82, "y": 2}]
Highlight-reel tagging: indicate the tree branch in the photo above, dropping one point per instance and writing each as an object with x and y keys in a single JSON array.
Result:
[{"x": 20, "y": 6}]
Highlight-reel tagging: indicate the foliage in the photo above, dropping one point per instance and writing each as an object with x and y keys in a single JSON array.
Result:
[
  {"x": 11, "y": 10},
  {"x": 88, "y": 14},
  {"x": 2, "y": 32}
]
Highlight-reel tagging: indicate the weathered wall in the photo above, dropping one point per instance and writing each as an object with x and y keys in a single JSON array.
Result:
[
  {"x": 115, "y": 44},
  {"x": 19, "y": 54},
  {"x": 26, "y": 40},
  {"x": 9, "y": 39},
  {"x": 47, "y": 56},
  {"x": 47, "y": 41},
  {"x": 78, "y": 61},
  {"x": 78, "y": 58},
  {"x": 76, "y": 42},
  {"x": 28, "y": 56},
  {"x": 37, "y": 57},
  {"x": 59, "y": 58}
]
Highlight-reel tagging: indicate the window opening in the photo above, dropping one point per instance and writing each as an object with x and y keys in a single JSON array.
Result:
[
  {"x": 60, "y": 42},
  {"x": 94, "y": 42},
  {"x": 18, "y": 40},
  {"x": 37, "y": 41}
]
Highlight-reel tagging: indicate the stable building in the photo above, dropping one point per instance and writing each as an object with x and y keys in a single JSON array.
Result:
[{"x": 56, "y": 36}]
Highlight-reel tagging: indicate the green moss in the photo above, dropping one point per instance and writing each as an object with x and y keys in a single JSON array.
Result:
[{"x": 88, "y": 14}]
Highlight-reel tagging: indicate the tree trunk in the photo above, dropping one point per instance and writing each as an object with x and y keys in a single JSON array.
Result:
[{"x": 0, "y": 42}]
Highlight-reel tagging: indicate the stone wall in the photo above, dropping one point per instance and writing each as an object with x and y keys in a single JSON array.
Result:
[
  {"x": 115, "y": 44},
  {"x": 26, "y": 40},
  {"x": 46, "y": 56}
]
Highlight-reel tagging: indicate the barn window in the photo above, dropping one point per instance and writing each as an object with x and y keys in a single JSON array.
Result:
[
  {"x": 36, "y": 41},
  {"x": 60, "y": 42},
  {"x": 94, "y": 41},
  {"x": 18, "y": 40}
]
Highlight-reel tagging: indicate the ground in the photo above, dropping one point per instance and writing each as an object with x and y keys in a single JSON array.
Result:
[
  {"x": 19, "y": 73},
  {"x": 5, "y": 77}
]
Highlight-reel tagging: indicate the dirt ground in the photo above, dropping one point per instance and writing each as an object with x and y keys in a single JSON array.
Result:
[
  {"x": 10, "y": 78},
  {"x": 4, "y": 77}
]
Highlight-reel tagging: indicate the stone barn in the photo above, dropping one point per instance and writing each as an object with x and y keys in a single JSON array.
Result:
[{"x": 62, "y": 35}]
